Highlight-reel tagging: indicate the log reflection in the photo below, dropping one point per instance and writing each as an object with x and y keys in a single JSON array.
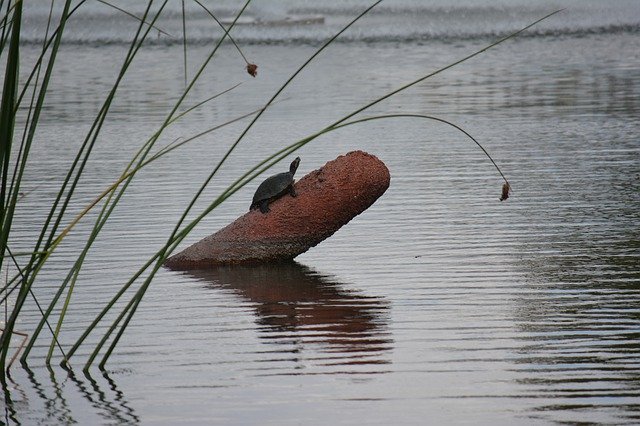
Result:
[{"x": 294, "y": 304}]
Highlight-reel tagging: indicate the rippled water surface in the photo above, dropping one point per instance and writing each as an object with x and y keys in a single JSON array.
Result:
[{"x": 439, "y": 304}]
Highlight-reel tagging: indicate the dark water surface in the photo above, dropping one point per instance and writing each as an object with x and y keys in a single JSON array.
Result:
[{"x": 438, "y": 305}]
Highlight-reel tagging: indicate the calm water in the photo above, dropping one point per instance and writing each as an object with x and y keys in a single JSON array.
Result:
[{"x": 438, "y": 305}]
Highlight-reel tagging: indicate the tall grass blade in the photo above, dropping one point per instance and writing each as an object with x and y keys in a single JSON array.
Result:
[
  {"x": 19, "y": 158},
  {"x": 223, "y": 29},
  {"x": 34, "y": 114},
  {"x": 184, "y": 43},
  {"x": 7, "y": 124}
]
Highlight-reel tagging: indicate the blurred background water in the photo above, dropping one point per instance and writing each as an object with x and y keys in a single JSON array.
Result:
[{"x": 439, "y": 304}]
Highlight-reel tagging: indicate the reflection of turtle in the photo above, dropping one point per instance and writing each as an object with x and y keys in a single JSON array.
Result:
[{"x": 275, "y": 187}]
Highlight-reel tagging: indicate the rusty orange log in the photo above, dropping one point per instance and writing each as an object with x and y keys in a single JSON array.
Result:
[{"x": 327, "y": 199}]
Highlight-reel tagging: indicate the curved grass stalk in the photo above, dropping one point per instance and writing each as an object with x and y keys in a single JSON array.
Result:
[
  {"x": 428, "y": 117},
  {"x": 270, "y": 161},
  {"x": 223, "y": 29},
  {"x": 248, "y": 177},
  {"x": 7, "y": 124},
  {"x": 184, "y": 43},
  {"x": 290, "y": 149}
]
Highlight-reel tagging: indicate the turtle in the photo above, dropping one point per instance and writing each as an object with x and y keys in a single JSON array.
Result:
[{"x": 275, "y": 187}]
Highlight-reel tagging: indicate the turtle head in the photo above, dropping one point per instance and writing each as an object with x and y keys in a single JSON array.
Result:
[{"x": 294, "y": 166}]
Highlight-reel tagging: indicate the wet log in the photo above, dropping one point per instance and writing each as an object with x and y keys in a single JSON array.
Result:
[{"x": 326, "y": 200}]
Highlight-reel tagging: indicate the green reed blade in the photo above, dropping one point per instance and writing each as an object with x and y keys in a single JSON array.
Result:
[
  {"x": 428, "y": 117},
  {"x": 184, "y": 42},
  {"x": 223, "y": 29},
  {"x": 19, "y": 158},
  {"x": 7, "y": 124}
]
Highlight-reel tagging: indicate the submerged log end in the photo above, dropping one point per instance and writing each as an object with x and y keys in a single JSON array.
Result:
[{"x": 326, "y": 200}]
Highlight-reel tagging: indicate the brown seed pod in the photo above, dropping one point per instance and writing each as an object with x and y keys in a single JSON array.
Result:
[
  {"x": 505, "y": 191},
  {"x": 252, "y": 69}
]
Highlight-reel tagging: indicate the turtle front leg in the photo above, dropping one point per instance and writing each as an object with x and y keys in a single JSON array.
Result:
[
  {"x": 264, "y": 206},
  {"x": 292, "y": 191}
]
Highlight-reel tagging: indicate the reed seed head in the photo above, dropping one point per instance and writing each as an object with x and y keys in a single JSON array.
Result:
[
  {"x": 252, "y": 69},
  {"x": 505, "y": 191}
]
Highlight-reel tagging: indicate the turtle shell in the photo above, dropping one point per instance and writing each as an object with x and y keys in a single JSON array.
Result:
[{"x": 272, "y": 187}]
